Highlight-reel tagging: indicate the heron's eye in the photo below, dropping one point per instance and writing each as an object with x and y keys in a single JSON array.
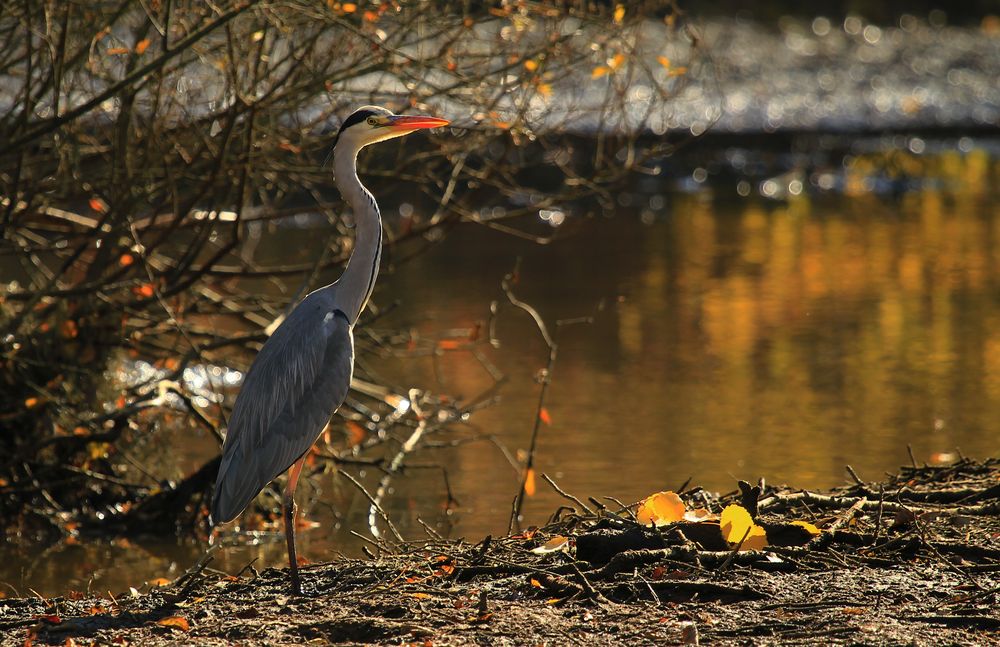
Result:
[{"x": 372, "y": 121}]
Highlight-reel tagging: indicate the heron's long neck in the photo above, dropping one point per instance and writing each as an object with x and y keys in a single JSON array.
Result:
[{"x": 355, "y": 286}]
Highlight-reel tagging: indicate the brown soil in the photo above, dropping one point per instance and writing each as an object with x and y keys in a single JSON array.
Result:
[{"x": 913, "y": 560}]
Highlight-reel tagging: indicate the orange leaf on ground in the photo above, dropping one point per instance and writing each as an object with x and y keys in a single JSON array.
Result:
[
  {"x": 145, "y": 290},
  {"x": 114, "y": 51},
  {"x": 449, "y": 344},
  {"x": 31, "y": 403},
  {"x": 660, "y": 509},
  {"x": 598, "y": 72},
  {"x": 617, "y": 61},
  {"x": 349, "y": 7},
  {"x": 98, "y": 205},
  {"x": 619, "y": 13},
  {"x": 141, "y": 46},
  {"x": 664, "y": 61},
  {"x": 174, "y": 622},
  {"x": 159, "y": 581},
  {"x": 125, "y": 260}
]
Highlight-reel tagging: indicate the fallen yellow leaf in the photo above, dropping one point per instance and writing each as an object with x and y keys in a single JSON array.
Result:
[
  {"x": 598, "y": 72},
  {"x": 664, "y": 61},
  {"x": 616, "y": 61},
  {"x": 619, "y": 13},
  {"x": 660, "y": 509},
  {"x": 811, "y": 529},
  {"x": 735, "y": 523}
]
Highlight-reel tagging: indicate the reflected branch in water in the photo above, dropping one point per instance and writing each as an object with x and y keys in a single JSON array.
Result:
[{"x": 544, "y": 376}]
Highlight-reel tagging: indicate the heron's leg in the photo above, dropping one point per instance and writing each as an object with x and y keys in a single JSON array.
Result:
[{"x": 289, "y": 508}]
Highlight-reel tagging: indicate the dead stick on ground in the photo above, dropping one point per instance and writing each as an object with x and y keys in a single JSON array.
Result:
[
  {"x": 624, "y": 508},
  {"x": 567, "y": 495},
  {"x": 587, "y": 587},
  {"x": 918, "y": 525},
  {"x": 200, "y": 566},
  {"x": 734, "y": 551},
  {"x": 878, "y": 515},
  {"x": 825, "y": 538}
]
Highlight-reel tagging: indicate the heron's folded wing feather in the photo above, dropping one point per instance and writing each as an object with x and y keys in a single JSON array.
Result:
[{"x": 300, "y": 377}]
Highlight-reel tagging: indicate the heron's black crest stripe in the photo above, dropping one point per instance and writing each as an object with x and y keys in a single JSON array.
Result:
[{"x": 355, "y": 117}]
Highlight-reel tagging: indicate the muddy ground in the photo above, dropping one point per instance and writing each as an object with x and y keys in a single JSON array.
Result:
[{"x": 912, "y": 560}]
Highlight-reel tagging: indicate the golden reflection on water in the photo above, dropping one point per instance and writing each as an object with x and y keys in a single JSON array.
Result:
[{"x": 753, "y": 339}]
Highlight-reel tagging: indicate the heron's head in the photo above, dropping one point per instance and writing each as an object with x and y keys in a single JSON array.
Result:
[{"x": 371, "y": 124}]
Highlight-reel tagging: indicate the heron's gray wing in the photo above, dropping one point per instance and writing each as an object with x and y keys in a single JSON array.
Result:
[{"x": 299, "y": 378}]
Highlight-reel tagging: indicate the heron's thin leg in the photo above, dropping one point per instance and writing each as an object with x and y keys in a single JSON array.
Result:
[{"x": 289, "y": 508}]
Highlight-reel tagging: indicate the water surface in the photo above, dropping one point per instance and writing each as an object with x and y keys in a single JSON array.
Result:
[{"x": 733, "y": 338}]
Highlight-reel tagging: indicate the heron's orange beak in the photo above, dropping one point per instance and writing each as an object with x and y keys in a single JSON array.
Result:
[{"x": 406, "y": 122}]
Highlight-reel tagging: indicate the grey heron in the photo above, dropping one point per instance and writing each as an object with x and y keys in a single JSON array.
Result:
[{"x": 302, "y": 374}]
